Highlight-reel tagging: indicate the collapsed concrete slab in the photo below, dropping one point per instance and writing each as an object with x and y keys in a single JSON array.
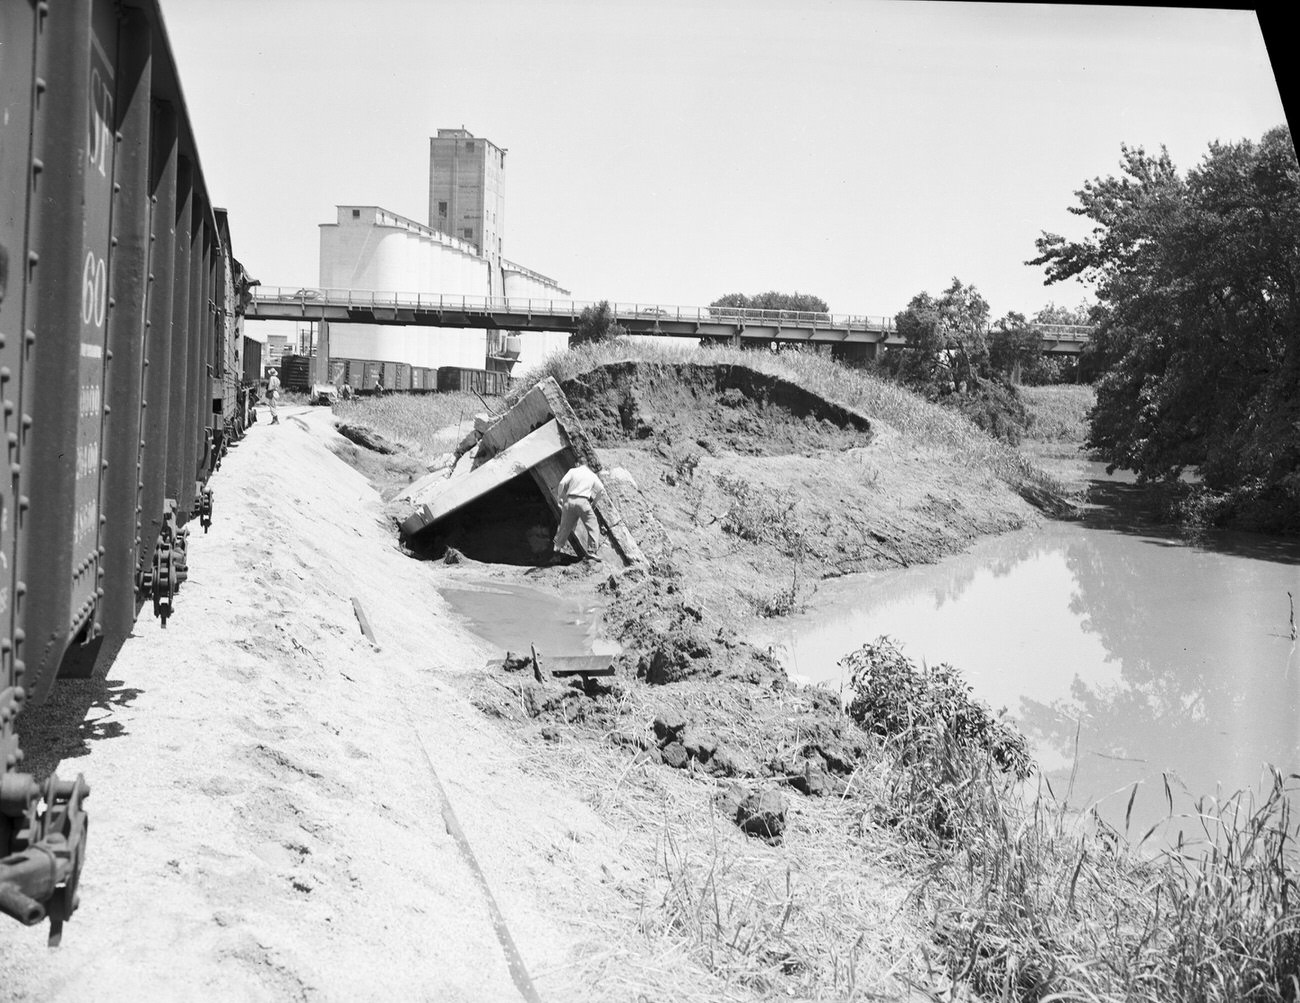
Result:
[{"x": 539, "y": 437}]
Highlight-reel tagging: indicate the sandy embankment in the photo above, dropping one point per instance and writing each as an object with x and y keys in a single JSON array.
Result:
[{"x": 264, "y": 823}]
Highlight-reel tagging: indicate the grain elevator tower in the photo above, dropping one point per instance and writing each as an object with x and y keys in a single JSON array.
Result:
[{"x": 467, "y": 194}]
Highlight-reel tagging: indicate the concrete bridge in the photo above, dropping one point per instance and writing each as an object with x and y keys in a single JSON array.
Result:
[{"x": 733, "y": 324}]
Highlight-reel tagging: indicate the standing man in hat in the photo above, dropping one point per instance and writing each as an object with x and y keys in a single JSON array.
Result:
[{"x": 273, "y": 395}]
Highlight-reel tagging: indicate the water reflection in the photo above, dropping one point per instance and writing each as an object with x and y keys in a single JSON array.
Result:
[
  {"x": 1152, "y": 655},
  {"x": 511, "y": 617}
]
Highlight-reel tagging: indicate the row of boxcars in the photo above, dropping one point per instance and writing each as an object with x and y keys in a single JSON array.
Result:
[
  {"x": 120, "y": 378},
  {"x": 365, "y": 375}
]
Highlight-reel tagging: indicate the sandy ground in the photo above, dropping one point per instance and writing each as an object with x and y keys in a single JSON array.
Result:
[{"x": 265, "y": 818}]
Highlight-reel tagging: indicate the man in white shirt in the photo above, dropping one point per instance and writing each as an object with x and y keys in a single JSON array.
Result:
[{"x": 580, "y": 489}]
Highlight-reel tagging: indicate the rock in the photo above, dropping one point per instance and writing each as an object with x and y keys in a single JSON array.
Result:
[
  {"x": 814, "y": 780},
  {"x": 650, "y": 755},
  {"x": 669, "y": 726},
  {"x": 838, "y": 758},
  {"x": 762, "y": 814},
  {"x": 516, "y": 663},
  {"x": 674, "y": 754},
  {"x": 699, "y": 744},
  {"x": 730, "y": 797},
  {"x": 729, "y": 762}
]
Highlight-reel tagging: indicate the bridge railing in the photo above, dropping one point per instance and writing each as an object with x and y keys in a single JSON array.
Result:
[
  {"x": 371, "y": 299},
  {"x": 654, "y": 312},
  {"x": 1065, "y": 332}
]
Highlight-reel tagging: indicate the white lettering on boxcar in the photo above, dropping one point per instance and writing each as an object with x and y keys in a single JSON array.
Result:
[
  {"x": 94, "y": 290},
  {"x": 101, "y": 114}
]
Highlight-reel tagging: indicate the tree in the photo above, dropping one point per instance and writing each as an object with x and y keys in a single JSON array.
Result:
[
  {"x": 947, "y": 338},
  {"x": 595, "y": 324},
  {"x": 793, "y": 302},
  {"x": 1199, "y": 339},
  {"x": 1015, "y": 346}
]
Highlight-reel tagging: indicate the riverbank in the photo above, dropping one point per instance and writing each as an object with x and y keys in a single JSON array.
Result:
[
  {"x": 1002, "y": 905},
  {"x": 273, "y": 792},
  {"x": 729, "y": 492}
]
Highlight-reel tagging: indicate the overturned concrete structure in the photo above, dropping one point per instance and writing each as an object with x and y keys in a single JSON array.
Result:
[{"x": 499, "y": 502}]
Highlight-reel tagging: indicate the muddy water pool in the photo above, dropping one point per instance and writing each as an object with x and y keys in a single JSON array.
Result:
[
  {"x": 1126, "y": 655},
  {"x": 510, "y": 617}
]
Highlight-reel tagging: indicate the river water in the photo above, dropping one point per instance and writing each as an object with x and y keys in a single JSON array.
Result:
[{"x": 1126, "y": 654}]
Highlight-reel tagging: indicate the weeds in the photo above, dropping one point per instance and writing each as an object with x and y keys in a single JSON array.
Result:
[
  {"x": 1035, "y": 907},
  {"x": 930, "y": 715},
  {"x": 759, "y": 515},
  {"x": 764, "y": 516}
]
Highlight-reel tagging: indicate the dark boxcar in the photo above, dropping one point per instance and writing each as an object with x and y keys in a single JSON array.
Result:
[
  {"x": 478, "y": 381},
  {"x": 370, "y": 374},
  {"x": 253, "y": 353},
  {"x": 402, "y": 376},
  {"x": 118, "y": 376},
  {"x": 295, "y": 372}
]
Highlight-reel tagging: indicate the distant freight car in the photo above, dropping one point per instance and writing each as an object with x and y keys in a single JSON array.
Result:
[
  {"x": 119, "y": 298},
  {"x": 489, "y": 383},
  {"x": 295, "y": 373},
  {"x": 252, "y": 361}
]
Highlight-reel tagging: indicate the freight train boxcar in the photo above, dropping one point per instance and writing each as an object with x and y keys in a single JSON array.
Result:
[{"x": 119, "y": 298}]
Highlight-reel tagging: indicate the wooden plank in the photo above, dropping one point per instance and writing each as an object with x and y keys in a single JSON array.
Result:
[
  {"x": 506, "y": 465},
  {"x": 578, "y": 665},
  {"x": 363, "y": 621}
]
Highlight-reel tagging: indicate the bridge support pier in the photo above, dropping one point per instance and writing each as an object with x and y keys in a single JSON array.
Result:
[
  {"x": 854, "y": 353},
  {"x": 320, "y": 368}
]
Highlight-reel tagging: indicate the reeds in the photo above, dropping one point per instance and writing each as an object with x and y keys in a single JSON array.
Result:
[{"x": 1037, "y": 903}]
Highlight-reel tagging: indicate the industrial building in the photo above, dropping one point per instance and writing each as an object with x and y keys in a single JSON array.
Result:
[{"x": 458, "y": 253}]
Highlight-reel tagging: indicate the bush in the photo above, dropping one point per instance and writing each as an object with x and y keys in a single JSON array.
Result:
[
  {"x": 922, "y": 710},
  {"x": 993, "y": 406},
  {"x": 596, "y": 324}
]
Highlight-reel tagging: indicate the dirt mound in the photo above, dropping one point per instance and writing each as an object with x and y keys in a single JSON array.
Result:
[{"x": 717, "y": 407}]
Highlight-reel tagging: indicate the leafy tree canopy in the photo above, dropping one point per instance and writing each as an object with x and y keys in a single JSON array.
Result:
[
  {"x": 596, "y": 323},
  {"x": 804, "y": 302},
  {"x": 947, "y": 337},
  {"x": 1199, "y": 337}
]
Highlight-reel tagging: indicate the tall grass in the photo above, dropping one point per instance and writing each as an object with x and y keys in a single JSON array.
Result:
[
  {"x": 1030, "y": 901},
  {"x": 426, "y": 424},
  {"x": 881, "y": 399},
  {"x": 1037, "y": 906},
  {"x": 1060, "y": 413}
]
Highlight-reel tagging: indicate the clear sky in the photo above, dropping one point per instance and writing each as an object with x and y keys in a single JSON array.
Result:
[{"x": 672, "y": 151}]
